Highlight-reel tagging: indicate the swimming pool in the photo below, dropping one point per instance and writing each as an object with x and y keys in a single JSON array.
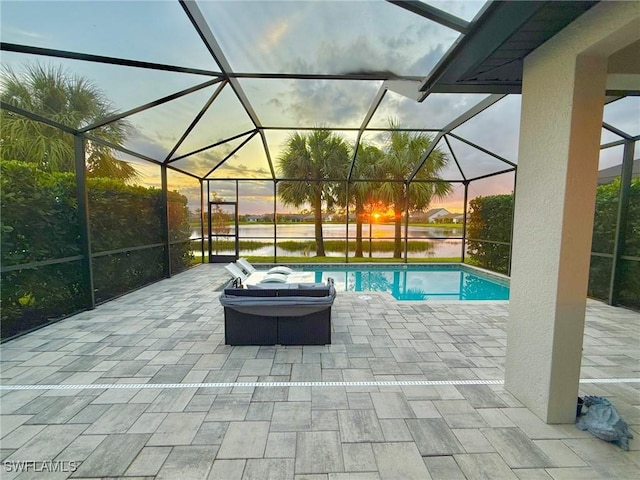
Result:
[{"x": 414, "y": 282}]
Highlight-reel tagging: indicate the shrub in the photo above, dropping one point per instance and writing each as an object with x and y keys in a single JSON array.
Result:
[
  {"x": 40, "y": 223},
  {"x": 490, "y": 220}
]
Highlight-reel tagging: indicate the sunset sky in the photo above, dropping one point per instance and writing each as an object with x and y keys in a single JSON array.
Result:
[{"x": 333, "y": 37}]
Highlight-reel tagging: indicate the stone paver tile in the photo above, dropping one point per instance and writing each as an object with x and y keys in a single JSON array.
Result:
[
  {"x": 288, "y": 355},
  {"x": 269, "y": 469},
  {"x": 358, "y": 457},
  {"x": 227, "y": 470},
  {"x": 532, "y": 474},
  {"x": 324, "y": 420},
  {"x": 291, "y": 416},
  {"x": 391, "y": 405},
  {"x": 481, "y": 396},
  {"x": 312, "y": 476},
  {"x": 21, "y": 435},
  {"x": 244, "y": 440},
  {"x": 443, "y": 468},
  {"x": 608, "y": 459},
  {"x": 494, "y": 417},
  {"x": 270, "y": 394},
  {"x": 113, "y": 456},
  {"x": 516, "y": 448},
  {"x": 306, "y": 372},
  {"x": 575, "y": 473},
  {"x": 48, "y": 443},
  {"x": 256, "y": 367},
  {"x": 354, "y": 476},
  {"x": 359, "y": 426},
  {"x": 329, "y": 398},
  {"x": 318, "y": 452},
  {"x": 115, "y": 395},
  {"x": 148, "y": 462},
  {"x": 89, "y": 414},
  {"x": 484, "y": 466},
  {"x": 229, "y": 407},
  {"x": 170, "y": 374},
  {"x": 147, "y": 423},
  {"x": 210, "y": 433},
  {"x": 200, "y": 403},
  {"x": 172, "y": 400},
  {"x": 177, "y": 429},
  {"x": 187, "y": 463},
  {"x": 473, "y": 440},
  {"x": 400, "y": 460},
  {"x": 260, "y": 411},
  {"x": 60, "y": 411},
  {"x": 395, "y": 430},
  {"x": 424, "y": 409},
  {"x": 561, "y": 455},
  {"x": 211, "y": 361},
  {"x": 118, "y": 419},
  {"x": 8, "y": 423},
  {"x": 281, "y": 445},
  {"x": 359, "y": 400},
  {"x": 81, "y": 448},
  {"x": 433, "y": 437},
  {"x": 535, "y": 428}
]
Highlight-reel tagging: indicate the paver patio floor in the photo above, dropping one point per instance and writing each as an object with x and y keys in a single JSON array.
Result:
[{"x": 121, "y": 394}]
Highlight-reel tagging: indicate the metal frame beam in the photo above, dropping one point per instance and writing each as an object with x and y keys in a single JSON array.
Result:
[
  {"x": 221, "y": 162},
  {"x": 82, "y": 198},
  {"x": 196, "y": 119},
  {"x": 207, "y": 147},
  {"x": 621, "y": 220},
  {"x": 202, "y": 27},
  {"x": 146, "y": 106},
  {"x": 434, "y": 14},
  {"x": 37, "y": 118},
  {"x": 49, "y": 52},
  {"x": 367, "y": 118}
]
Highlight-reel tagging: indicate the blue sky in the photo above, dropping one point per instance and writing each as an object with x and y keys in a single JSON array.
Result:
[{"x": 272, "y": 37}]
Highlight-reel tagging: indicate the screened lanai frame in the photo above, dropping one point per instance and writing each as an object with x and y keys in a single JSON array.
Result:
[{"x": 227, "y": 78}]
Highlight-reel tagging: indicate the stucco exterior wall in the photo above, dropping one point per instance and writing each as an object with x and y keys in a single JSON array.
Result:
[{"x": 562, "y": 103}]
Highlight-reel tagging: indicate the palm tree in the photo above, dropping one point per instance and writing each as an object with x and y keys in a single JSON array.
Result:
[
  {"x": 362, "y": 193},
  {"x": 402, "y": 151},
  {"x": 53, "y": 93},
  {"x": 315, "y": 158}
]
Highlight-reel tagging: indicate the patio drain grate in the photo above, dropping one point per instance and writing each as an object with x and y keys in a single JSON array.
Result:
[{"x": 399, "y": 383}]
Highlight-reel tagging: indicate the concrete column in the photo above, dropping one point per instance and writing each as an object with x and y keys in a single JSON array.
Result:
[{"x": 562, "y": 103}]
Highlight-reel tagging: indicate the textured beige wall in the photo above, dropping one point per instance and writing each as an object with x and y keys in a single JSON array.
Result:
[{"x": 562, "y": 103}]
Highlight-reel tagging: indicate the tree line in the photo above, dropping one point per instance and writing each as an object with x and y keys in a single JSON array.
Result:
[
  {"x": 309, "y": 163},
  {"x": 320, "y": 157}
]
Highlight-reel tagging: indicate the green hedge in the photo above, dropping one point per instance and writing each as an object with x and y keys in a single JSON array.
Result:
[
  {"x": 40, "y": 222},
  {"x": 604, "y": 227},
  {"x": 490, "y": 220}
]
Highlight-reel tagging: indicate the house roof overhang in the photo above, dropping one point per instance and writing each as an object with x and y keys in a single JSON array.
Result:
[{"x": 489, "y": 58}]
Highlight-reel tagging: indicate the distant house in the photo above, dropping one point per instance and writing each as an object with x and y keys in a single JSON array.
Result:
[
  {"x": 432, "y": 215},
  {"x": 253, "y": 218},
  {"x": 451, "y": 218},
  {"x": 607, "y": 175}
]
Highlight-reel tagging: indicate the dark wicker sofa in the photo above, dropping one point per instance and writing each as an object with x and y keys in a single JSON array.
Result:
[{"x": 282, "y": 314}]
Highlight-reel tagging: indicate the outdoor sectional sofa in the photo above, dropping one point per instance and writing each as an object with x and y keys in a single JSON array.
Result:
[{"x": 283, "y": 314}]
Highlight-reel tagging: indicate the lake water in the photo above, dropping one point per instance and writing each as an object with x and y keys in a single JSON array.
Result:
[{"x": 447, "y": 243}]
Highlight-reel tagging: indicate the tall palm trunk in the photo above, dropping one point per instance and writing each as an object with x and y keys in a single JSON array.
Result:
[
  {"x": 317, "y": 206},
  {"x": 397, "y": 246},
  {"x": 359, "y": 212}
]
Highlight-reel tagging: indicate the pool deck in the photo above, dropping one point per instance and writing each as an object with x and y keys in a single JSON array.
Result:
[{"x": 144, "y": 387}]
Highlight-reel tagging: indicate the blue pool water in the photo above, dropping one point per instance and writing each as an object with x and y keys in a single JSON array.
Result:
[{"x": 415, "y": 282}]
